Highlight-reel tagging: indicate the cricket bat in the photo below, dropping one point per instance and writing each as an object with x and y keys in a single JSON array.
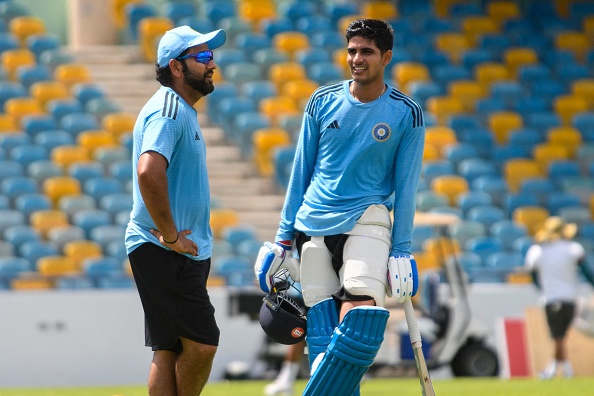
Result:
[{"x": 415, "y": 339}]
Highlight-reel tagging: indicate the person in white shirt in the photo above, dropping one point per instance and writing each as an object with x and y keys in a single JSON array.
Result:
[{"x": 554, "y": 261}]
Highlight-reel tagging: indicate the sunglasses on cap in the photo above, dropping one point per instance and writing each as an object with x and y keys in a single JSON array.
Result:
[{"x": 203, "y": 57}]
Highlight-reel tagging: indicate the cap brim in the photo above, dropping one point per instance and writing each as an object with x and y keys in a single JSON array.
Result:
[{"x": 213, "y": 39}]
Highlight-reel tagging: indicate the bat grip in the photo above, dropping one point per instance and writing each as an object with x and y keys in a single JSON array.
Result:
[{"x": 413, "y": 326}]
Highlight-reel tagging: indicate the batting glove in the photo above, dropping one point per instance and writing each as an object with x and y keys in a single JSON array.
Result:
[
  {"x": 403, "y": 277},
  {"x": 271, "y": 258}
]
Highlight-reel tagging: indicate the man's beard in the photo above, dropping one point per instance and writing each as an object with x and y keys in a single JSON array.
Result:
[{"x": 199, "y": 84}]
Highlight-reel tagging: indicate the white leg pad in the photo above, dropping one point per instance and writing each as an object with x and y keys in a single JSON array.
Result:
[{"x": 318, "y": 278}]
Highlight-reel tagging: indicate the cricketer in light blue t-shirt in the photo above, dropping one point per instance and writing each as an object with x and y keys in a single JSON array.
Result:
[
  {"x": 351, "y": 155},
  {"x": 169, "y": 126}
]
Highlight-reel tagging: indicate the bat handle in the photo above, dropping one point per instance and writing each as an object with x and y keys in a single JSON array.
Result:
[{"x": 411, "y": 320}]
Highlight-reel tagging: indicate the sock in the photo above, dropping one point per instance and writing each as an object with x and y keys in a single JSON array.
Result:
[
  {"x": 567, "y": 369},
  {"x": 551, "y": 368},
  {"x": 288, "y": 372}
]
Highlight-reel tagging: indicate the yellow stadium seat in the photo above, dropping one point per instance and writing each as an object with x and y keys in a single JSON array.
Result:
[
  {"x": 406, "y": 72},
  {"x": 255, "y": 11},
  {"x": 44, "y": 91},
  {"x": 566, "y": 106},
  {"x": 592, "y": 205},
  {"x": 516, "y": 170},
  {"x": 575, "y": 42},
  {"x": 475, "y": 27},
  {"x": 20, "y": 107},
  {"x": 221, "y": 218},
  {"x": 442, "y": 7},
  {"x": 150, "y": 30},
  {"x": 588, "y": 26},
  {"x": 118, "y": 10},
  {"x": 118, "y": 123},
  {"x": 443, "y": 107},
  {"x": 290, "y": 42},
  {"x": 25, "y": 26},
  {"x": 8, "y": 123},
  {"x": 32, "y": 281},
  {"x": 502, "y": 123},
  {"x": 53, "y": 266},
  {"x": 426, "y": 261},
  {"x": 502, "y": 10},
  {"x": 276, "y": 106},
  {"x": 80, "y": 250},
  {"x": 44, "y": 220},
  {"x": 442, "y": 247},
  {"x": 264, "y": 142},
  {"x": 14, "y": 58},
  {"x": 379, "y": 10},
  {"x": 93, "y": 139},
  {"x": 72, "y": 73},
  {"x": 468, "y": 91},
  {"x": 68, "y": 154},
  {"x": 57, "y": 186},
  {"x": 531, "y": 217},
  {"x": 489, "y": 72},
  {"x": 450, "y": 186},
  {"x": 544, "y": 153},
  {"x": 516, "y": 57},
  {"x": 567, "y": 136},
  {"x": 430, "y": 152},
  {"x": 440, "y": 136},
  {"x": 584, "y": 88},
  {"x": 299, "y": 90},
  {"x": 453, "y": 44},
  {"x": 281, "y": 73}
]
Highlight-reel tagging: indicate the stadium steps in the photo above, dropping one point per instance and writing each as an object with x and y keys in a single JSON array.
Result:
[{"x": 130, "y": 81}]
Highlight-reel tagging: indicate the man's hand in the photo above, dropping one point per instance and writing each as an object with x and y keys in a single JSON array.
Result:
[
  {"x": 181, "y": 244},
  {"x": 403, "y": 277},
  {"x": 271, "y": 258}
]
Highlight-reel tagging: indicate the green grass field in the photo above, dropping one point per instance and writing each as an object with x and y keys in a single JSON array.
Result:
[{"x": 372, "y": 387}]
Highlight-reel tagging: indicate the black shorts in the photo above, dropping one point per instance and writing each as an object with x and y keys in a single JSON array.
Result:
[
  {"x": 172, "y": 289},
  {"x": 559, "y": 317}
]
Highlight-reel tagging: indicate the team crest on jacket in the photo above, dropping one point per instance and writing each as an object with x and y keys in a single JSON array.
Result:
[{"x": 381, "y": 132}]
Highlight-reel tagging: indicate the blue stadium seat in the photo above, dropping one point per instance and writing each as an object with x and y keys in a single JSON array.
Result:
[
  {"x": 336, "y": 10},
  {"x": 215, "y": 11},
  {"x": 558, "y": 170},
  {"x": 116, "y": 202},
  {"x": 500, "y": 154},
  {"x": 17, "y": 235},
  {"x": 106, "y": 233},
  {"x": 236, "y": 270},
  {"x": 496, "y": 44},
  {"x": 507, "y": 231},
  {"x": 38, "y": 43},
  {"x": 56, "y": 57},
  {"x": 325, "y": 73},
  {"x": 86, "y": 170},
  {"x": 234, "y": 235},
  {"x": 445, "y": 74},
  {"x": 540, "y": 187},
  {"x": 294, "y": 10},
  {"x": 570, "y": 72},
  {"x": 59, "y": 108},
  {"x": 455, "y": 153},
  {"x": 526, "y": 105},
  {"x": 272, "y": 27},
  {"x": 473, "y": 57},
  {"x": 29, "y": 202},
  {"x": 110, "y": 154},
  {"x": 28, "y": 153},
  {"x": 472, "y": 168},
  {"x": 548, "y": 89},
  {"x": 11, "y": 89},
  {"x": 464, "y": 230},
  {"x": 463, "y": 122},
  {"x": 14, "y": 186},
  {"x": 10, "y": 140},
  {"x": 486, "y": 215},
  {"x": 33, "y": 124},
  {"x": 30, "y": 74},
  {"x": 584, "y": 122},
  {"x": 283, "y": 164},
  {"x": 62, "y": 235},
  {"x": 428, "y": 200},
  {"x": 101, "y": 106},
  {"x": 420, "y": 91},
  {"x": 532, "y": 73},
  {"x": 560, "y": 199},
  {"x": 10, "y": 168},
  {"x": 50, "y": 139},
  {"x": 98, "y": 187},
  {"x": 34, "y": 250},
  {"x": 483, "y": 246},
  {"x": 244, "y": 126},
  {"x": 525, "y": 138},
  {"x": 267, "y": 57},
  {"x": 120, "y": 170},
  {"x": 135, "y": 12},
  {"x": 70, "y": 204},
  {"x": 480, "y": 138},
  {"x": 313, "y": 24},
  {"x": 12, "y": 266},
  {"x": 198, "y": 23},
  {"x": 488, "y": 105},
  {"x": 242, "y": 72},
  {"x": 73, "y": 282},
  {"x": 177, "y": 10},
  {"x": 512, "y": 201},
  {"x": 505, "y": 261},
  {"x": 578, "y": 215},
  {"x": 250, "y": 42},
  {"x": 121, "y": 281},
  {"x": 229, "y": 56},
  {"x": 77, "y": 122},
  {"x": 542, "y": 121},
  {"x": 87, "y": 91},
  {"x": 258, "y": 90},
  {"x": 469, "y": 199},
  {"x": 422, "y": 233},
  {"x": 88, "y": 219},
  {"x": 507, "y": 91},
  {"x": 308, "y": 56},
  {"x": 116, "y": 249},
  {"x": 434, "y": 168},
  {"x": 230, "y": 108}
]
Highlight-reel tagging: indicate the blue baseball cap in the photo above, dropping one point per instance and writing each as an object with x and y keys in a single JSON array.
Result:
[{"x": 176, "y": 41}]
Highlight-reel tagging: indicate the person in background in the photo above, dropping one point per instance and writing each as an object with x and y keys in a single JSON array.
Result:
[
  {"x": 358, "y": 158},
  {"x": 285, "y": 380},
  {"x": 168, "y": 239},
  {"x": 554, "y": 261}
]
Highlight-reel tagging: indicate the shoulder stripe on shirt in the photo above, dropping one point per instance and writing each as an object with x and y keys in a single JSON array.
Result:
[
  {"x": 415, "y": 109},
  {"x": 320, "y": 92},
  {"x": 170, "y": 105}
]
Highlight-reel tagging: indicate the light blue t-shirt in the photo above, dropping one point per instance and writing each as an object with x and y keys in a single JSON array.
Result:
[
  {"x": 169, "y": 126},
  {"x": 351, "y": 155}
]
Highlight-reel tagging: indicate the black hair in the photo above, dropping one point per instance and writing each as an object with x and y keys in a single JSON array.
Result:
[
  {"x": 163, "y": 74},
  {"x": 376, "y": 30}
]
